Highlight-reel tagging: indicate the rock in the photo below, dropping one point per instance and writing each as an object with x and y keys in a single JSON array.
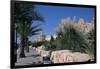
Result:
[
  {"x": 42, "y": 47},
  {"x": 81, "y": 57},
  {"x": 38, "y": 51},
  {"x": 45, "y": 55},
  {"x": 58, "y": 56},
  {"x": 66, "y": 56}
]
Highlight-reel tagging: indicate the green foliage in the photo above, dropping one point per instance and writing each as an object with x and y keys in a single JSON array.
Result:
[
  {"x": 24, "y": 14},
  {"x": 38, "y": 43},
  {"x": 42, "y": 37},
  {"x": 91, "y": 37},
  {"x": 29, "y": 43},
  {"x": 72, "y": 39},
  {"x": 50, "y": 45},
  {"x": 90, "y": 49},
  {"x": 27, "y": 11}
]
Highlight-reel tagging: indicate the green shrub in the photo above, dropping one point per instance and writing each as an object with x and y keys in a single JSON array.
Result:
[
  {"x": 72, "y": 39},
  {"x": 90, "y": 49},
  {"x": 38, "y": 43},
  {"x": 50, "y": 45}
]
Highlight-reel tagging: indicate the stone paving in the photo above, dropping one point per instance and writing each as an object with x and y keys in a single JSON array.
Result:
[{"x": 31, "y": 58}]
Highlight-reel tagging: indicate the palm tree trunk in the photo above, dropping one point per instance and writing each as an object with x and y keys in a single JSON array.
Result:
[
  {"x": 27, "y": 47},
  {"x": 22, "y": 54}
]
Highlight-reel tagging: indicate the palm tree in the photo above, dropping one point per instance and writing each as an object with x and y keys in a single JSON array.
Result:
[
  {"x": 30, "y": 31},
  {"x": 24, "y": 14}
]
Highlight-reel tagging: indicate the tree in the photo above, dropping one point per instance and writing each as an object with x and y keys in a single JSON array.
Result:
[
  {"x": 42, "y": 37},
  {"x": 24, "y": 14},
  {"x": 31, "y": 31},
  {"x": 50, "y": 45},
  {"x": 52, "y": 39}
]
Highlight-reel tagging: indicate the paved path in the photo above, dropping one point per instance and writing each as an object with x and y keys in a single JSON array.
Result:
[{"x": 31, "y": 58}]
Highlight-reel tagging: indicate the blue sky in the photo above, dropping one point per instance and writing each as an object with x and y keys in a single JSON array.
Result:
[{"x": 54, "y": 14}]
